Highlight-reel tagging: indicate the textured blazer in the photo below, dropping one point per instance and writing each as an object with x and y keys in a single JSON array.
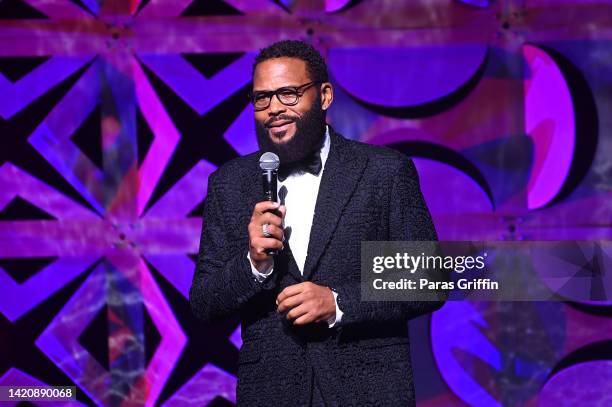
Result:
[{"x": 366, "y": 193}]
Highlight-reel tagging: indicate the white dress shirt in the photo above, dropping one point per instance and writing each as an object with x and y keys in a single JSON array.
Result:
[{"x": 300, "y": 201}]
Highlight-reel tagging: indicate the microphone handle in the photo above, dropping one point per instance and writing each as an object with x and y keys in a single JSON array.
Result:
[{"x": 270, "y": 179}]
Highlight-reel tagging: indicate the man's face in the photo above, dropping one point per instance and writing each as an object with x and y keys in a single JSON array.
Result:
[{"x": 292, "y": 132}]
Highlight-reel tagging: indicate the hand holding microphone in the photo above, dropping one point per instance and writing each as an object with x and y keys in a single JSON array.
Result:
[{"x": 266, "y": 227}]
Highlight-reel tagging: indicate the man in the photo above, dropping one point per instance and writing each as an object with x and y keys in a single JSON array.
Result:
[{"x": 307, "y": 337}]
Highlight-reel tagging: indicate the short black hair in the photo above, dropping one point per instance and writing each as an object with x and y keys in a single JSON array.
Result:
[{"x": 315, "y": 63}]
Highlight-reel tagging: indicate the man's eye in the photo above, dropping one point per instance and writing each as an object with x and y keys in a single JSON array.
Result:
[
  {"x": 287, "y": 92},
  {"x": 260, "y": 96}
]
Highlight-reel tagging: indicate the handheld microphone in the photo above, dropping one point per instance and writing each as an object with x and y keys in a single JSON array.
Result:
[{"x": 269, "y": 163}]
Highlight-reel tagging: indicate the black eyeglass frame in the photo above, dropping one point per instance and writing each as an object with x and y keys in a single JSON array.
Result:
[{"x": 298, "y": 90}]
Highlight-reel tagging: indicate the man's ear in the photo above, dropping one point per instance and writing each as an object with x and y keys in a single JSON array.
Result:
[{"x": 327, "y": 95}]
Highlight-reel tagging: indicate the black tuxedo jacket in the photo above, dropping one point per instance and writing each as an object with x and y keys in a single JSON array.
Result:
[{"x": 366, "y": 193}]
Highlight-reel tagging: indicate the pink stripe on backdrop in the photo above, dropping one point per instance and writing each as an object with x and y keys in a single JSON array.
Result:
[
  {"x": 185, "y": 194},
  {"x": 52, "y": 138},
  {"x": 164, "y": 8},
  {"x": 59, "y": 9},
  {"x": 172, "y": 337},
  {"x": 203, "y": 387},
  {"x": 16, "y": 299},
  {"x": 549, "y": 120},
  {"x": 16, "y": 182},
  {"x": 256, "y": 6},
  {"x": 16, "y": 96},
  {"x": 38, "y": 238},
  {"x": 200, "y": 93},
  {"x": 60, "y": 341},
  {"x": 165, "y": 133}
]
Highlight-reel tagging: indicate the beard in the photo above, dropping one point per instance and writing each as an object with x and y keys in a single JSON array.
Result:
[{"x": 308, "y": 137}]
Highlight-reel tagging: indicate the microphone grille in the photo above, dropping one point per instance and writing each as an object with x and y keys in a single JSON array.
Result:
[{"x": 269, "y": 161}]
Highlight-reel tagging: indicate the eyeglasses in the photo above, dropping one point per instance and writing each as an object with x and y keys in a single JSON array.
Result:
[{"x": 288, "y": 96}]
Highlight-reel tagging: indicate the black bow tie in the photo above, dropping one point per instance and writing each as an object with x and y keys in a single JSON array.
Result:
[{"x": 311, "y": 164}]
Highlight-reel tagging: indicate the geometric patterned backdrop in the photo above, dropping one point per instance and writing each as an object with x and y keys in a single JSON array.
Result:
[{"x": 113, "y": 113}]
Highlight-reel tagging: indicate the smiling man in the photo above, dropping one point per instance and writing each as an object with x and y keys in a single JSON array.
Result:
[{"x": 307, "y": 337}]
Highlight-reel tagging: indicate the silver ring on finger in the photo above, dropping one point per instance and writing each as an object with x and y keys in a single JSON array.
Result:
[{"x": 265, "y": 230}]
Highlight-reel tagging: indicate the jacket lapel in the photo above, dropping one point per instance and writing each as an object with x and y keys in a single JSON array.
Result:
[{"x": 343, "y": 169}]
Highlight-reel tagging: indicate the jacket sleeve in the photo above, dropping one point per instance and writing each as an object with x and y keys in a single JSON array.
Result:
[
  {"x": 223, "y": 281},
  {"x": 409, "y": 220}
]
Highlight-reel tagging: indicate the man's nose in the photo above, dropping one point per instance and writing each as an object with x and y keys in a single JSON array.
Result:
[{"x": 276, "y": 107}]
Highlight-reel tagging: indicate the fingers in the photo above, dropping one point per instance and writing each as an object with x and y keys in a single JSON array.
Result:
[
  {"x": 302, "y": 315},
  {"x": 261, "y": 244},
  {"x": 271, "y": 214},
  {"x": 306, "y": 302},
  {"x": 290, "y": 302},
  {"x": 274, "y": 231},
  {"x": 305, "y": 319},
  {"x": 270, "y": 219},
  {"x": 298, "y": 312},
  {"x": 264, "y": 206},
  {"x": 290, "y": 291}
]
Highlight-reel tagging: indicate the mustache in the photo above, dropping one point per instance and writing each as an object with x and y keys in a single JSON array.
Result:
[{"x": 279, "y": 117}]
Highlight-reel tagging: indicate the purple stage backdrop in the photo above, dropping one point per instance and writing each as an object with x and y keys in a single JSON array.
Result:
[{"x": 114, "y": 112}]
